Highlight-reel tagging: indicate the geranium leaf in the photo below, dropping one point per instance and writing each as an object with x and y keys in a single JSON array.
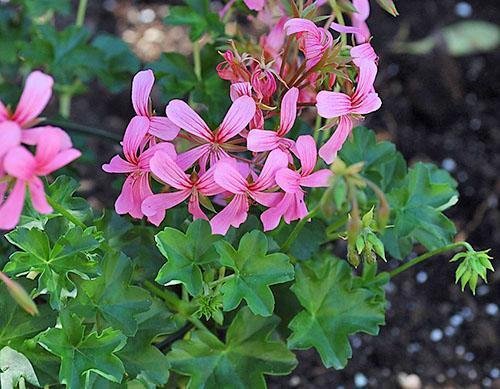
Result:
[
  {"x": 334, "y": 308},
  {"x": 13, "y": 367},
  {"x": 111, "y": 297},
  {"x": 62, "y": 191},
  {"x": 81, "y": 353},
  {"x": 255, "y": 271},
  {"x": 240, "y": 362},
  {"x": 71, "y": 253},
  {"x": 185, "y": 253}
]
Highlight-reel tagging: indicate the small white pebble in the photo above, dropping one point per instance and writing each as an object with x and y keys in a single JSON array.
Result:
[
  {"x": 421, "y": 277},
  {"x": 463, "y": 9},
  {"x": 360, "y": 380},
  {"x": 294, "y": 381},
  {"x": 460, "y": 350},
  {"x": 483, "y": 290},
  {"x": 491, "y": 309},
  {"x": 409, "y": 381},
  {"x": 472, "y": 374},
  {"x": 495, "y": 373},
  {"x": 486, "y": 382},
  {"x": 449, "y": 164},
  {"x": 449, "y": 331},
  {"x": 436, "y": 335},
  {"x": 469, "y": 357},
  {"x": 147, "y": 15},
  {"x": 456, "y": 320}
]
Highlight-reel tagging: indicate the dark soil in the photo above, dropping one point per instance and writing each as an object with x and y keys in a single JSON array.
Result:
[{"x": 435, "y": 108}]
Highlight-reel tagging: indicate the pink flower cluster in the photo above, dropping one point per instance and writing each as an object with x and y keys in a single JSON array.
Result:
[
  {"x": 20, "y": 169},
  {"x": 242, "y": 163}
]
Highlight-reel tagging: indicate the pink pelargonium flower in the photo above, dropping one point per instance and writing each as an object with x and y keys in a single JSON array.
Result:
[
  {"x": 51, "y": 154},
  {"x": 255, "y": 5},
  {"x": 213, "y": 146},
  {"x": 264, "y": 140},
  {"x": 230, "y": 179},
  {"x": 136, "y": 164},
  {"x": 166, "y": 169},
  {"x": 316, "y": 40},
  {"x": 292, "y": 206},
  {"x": 232, "y": 68},
  {"x": 160, "y": 127},
  {"x": 359, "y": 19},
  {"x": 14, "y": 126},
  {"x": 334, "y": 104}
]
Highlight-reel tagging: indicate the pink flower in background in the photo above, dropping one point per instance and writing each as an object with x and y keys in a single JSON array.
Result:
[
  {"x": 316, "y": 40},
  {"x": 136, "y": 164},
  {"x": 255, "y": 5},
  {"x": 272, "y": 43},
  {"x": 36, "y": 94},
  {"x": 239, "y": 89},
  {"x": 215, "y": 145},
  {"x": 232, "y": 69},
  {"x": 229, "y": 178},
  {"x": 160, "y": 127},
  {"x": 359, "y": 19},
  {"x": 264, "y": 140},
  {"x": 291, "y": 205},
  {"x": 51, "y": 154},
  {"x": 334, "y": 104},
  {"x": 166, "y": 169}
]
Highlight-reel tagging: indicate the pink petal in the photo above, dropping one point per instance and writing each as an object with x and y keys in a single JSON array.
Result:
[
  {"x": 32, "y": 136},
  {"x": 350, "y": 30},
  {"x": 288, "y": 180},
  {"x": 297, "y": 209},
  {"x": 329, "y": 150},
  {"x": 237, "y": 118},
  {"x": 262, "y": 140},
  {"x": 367, "y": 74},
  {"x": 332, "y": 104},
  {"x": 165, "y": 168},
  {"x": 369, "y": 104},
  {"x": 134, "y": 137},
  {"x": 306, "y": 151},
  {"x": 163, "y": 128},
  {"x": 229, "y": 178},
  {"x": 255, "y": 5},
  {"x": 157, "y": 218},
  {"x": 234, "y": 214},
  {"x": 20, "y": 163},
  {"x": 271, "y": 217},
  {"x": 288, "y": 112},
  {"x": 239, "y": 89},
  {"x": 276, "y": 160},
  {"x": 206, "y": 184},
  {"x": 61, "y": 159},
  {"x": 36, "y": 94},
  {"x": 186, "y": 159},
  {"x": 48, "y": 146},
  {"x": 141, "y": 89},
  {"x": 194, "y": 207},
  {"x": 296, "y": 25},
  {"x": 183, "y": 116},
  {"x": 267, "y": 199},
  {"x": 363, "y": 52},
  {"x": 145, "y": 157},
  {"x": 10, "y": 136},
  {"x": 118, "y": 165},
  {"x": 4, "y": 114},
  {"x": 160, "y": 202},
  {"x": 38, "y": 198},
  {"x": 131, "y": 197},
  {"x": 321, "y": 178},
  {"x": 10, "y": 210},
  {"x": 363, "y": 8}
]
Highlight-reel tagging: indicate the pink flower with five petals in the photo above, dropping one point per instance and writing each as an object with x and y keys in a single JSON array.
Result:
[
  {"x": 136, "y": 165},
  {"x": 334, "y": 104},
  {"x": 26, "y": 169},
  {"x": 213, "y": 145}
]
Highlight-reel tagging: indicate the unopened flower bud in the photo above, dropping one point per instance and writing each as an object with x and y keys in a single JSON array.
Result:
[{"x": 264, "y": 83}]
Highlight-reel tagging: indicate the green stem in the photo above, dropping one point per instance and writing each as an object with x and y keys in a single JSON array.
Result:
[
  {"x": 65, "y": 105},
  {"x": 80, "y": 14},
  {"x": 197, "y": 59},
  {"x": 82, "y": 129},
  {"x": 298, "y": 227},
  {"x": 223, "y": 279},
  {"x": 317, "y": 126},
  {"x": 64, "y": 212},
  {"x": 427, "y": 255}
]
